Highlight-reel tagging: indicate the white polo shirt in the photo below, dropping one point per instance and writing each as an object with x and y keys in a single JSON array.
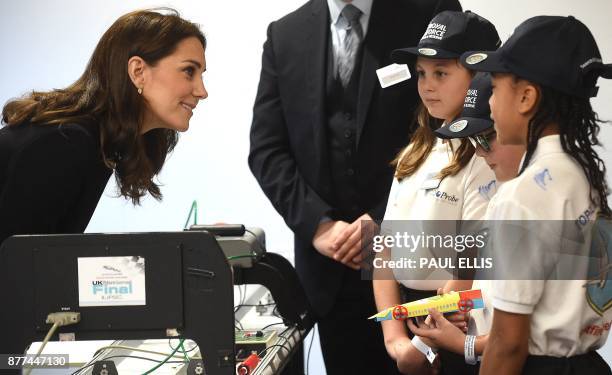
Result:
[
  {"x": 563, "y": 323},
  {"x": 422, "y": 197}
]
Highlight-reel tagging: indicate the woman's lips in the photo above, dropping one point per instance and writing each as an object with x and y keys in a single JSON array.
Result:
[{"x": 188, "y": 107}]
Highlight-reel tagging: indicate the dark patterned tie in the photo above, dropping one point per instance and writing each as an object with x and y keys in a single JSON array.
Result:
[{"x": 347, "y": 51}]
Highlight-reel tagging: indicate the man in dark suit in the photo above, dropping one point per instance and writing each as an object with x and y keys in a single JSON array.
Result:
[{"x": 322, "y": 137}]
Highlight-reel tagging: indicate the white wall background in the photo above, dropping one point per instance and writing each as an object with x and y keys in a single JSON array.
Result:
[{"x": 46, "y": 44}]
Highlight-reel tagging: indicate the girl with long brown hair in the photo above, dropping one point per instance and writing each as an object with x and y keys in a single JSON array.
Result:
[{"x": 434, "y": 179}]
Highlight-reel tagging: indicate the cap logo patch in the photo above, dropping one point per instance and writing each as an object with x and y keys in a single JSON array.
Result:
[
  {"x": 458, "y": 126},
  {"x": 476, "y": 58},
  {"x": 470, "y": 98},
  {"x": 434, "y": 31},
  {"x": 428, "y": 51}
]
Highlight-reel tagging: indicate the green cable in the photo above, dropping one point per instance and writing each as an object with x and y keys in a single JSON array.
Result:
[
  {"x": 184, "y": 352},
  {"x": 193, "y": 210},
  {"x": 180, "y": 345}
]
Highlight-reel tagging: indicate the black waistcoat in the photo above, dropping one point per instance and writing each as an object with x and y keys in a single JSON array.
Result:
[{"x": 341, "y": 114}]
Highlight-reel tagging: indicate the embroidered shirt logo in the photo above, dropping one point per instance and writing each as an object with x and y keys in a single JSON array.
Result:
[
  {"x": 598, "y": 287},
  {"x": 487, "y": 190},
  {"x": 445, "y": 197},
  {"x": 542, "y": 178},
  {"x": 585, "y": 217}
]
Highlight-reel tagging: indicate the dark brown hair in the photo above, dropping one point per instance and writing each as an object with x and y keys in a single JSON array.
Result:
[
  {"x": 579, "y": 130},
  {"x": 105, "y": 98}
]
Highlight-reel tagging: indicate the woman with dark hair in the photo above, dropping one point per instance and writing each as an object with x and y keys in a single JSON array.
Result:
[{"x": 59, "y": 148}]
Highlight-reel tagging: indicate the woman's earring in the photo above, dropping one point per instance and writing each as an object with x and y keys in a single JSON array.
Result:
[{"x": 140, "y": 90}]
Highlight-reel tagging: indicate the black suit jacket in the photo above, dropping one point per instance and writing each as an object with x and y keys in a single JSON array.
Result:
[
  {"x": 51, "y": 178},
  {"x": 288, "y": 154}
]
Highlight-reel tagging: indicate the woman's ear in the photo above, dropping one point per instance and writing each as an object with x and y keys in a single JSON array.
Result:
[
  {"x": 529, "y": 97},
  {"x": 136, "y": 68}
]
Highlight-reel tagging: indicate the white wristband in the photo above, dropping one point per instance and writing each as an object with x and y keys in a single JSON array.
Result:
[
  {"x": 469, "y": 350},
  {"x": 428, "y": 352}
]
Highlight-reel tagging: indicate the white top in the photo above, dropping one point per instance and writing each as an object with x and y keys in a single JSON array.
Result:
[
  {"x": 552, "y": 187},
  {"x": 422, "y": 196}
]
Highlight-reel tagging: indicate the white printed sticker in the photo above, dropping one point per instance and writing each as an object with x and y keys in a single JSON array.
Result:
[
  {"x": 476, "y": 58},
  {"x": 392, "y": 74},
  {"x": 112, "y": 281},
  {"x": 458, "y": 126},
  {"x": 428, "y": 51}
]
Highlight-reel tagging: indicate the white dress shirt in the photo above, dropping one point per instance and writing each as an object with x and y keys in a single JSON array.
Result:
[{"x": 337, "y": 31}]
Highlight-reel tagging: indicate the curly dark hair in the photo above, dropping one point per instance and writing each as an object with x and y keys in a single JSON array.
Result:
[
  {"x": 578, "y": 128},
  {"x": 105, "y": 99}
]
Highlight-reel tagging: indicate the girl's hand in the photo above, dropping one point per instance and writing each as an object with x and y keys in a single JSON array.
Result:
[
  {"x": 459, "y": 319},
  {"x": 409, "y": 360},
  {"x": 439, "y": 333},
  {"x": 425, "y": 324}
]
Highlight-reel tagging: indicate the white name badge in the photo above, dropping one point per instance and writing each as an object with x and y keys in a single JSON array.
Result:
[
  {"x": 112, "y": 281},
  {"x": 392, "y": 74}
]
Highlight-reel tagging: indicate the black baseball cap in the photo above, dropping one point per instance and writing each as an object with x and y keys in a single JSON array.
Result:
[
  {"x": 448, "y": 35},
  {"x": 476, "y": 115},
  {"x": 554, "y": 51}
]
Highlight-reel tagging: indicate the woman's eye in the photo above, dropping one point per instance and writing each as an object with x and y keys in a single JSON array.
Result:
[
  {"x": 190, "y": 71},
  {"x": 441, "y": 74},
  {"x": 420, "y": 73}
]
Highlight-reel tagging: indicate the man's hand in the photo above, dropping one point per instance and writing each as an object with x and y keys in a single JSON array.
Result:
[
  {"x": 324, "y": 237},
  {"x": 349, "y": 242}
]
